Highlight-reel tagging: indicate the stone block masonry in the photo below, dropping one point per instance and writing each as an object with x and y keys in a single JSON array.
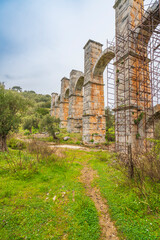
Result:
[
  {"x": 134, "y": 72},
  {"x": 81, "y": 103},
  {"x": 64, "y": 102},
  {"x": 57, "y": 107},
  {"x": 75, "y": 102},
  {"x": 94, "y": 124},
  {"x": 53, "y": 101}
]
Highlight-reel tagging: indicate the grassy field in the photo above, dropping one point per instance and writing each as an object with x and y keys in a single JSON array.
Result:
[
  {"x": 74, "y": 138},
  {"x": 137, "y": 216},
  {"x": 45, "y": 202},
  {"x": 42, "y": 197}
]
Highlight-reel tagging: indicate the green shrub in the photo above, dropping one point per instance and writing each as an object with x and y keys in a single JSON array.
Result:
[
  {"x": 157, "y": 130},
  {"x": 27, "y": 133},
  {"x": 35, "y": 130},
  {"x": 16, "y": 144},
  {"x": 110, "y": 134}
]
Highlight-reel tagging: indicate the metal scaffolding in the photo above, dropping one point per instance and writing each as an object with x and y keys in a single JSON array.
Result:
[{"x": 136, "y": 80}]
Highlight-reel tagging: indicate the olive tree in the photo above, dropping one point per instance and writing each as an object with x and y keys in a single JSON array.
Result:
[
  {"x": 11, "y": 107},
  {"x": 50, "y": 124}
]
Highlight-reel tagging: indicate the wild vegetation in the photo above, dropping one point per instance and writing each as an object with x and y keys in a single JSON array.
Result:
[
  {"x": 11, "y": 107},
  {"x": 42, "y": 195},
  {"x": 50, "y": 202}
]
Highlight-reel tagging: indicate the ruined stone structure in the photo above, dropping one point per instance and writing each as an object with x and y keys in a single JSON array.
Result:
[
  {"x": 135, "y": 81},
  {"x": 94, "y": 123},
  {"x": 134, "y": 101},
  {"x": 75, "y": 102},
  {"x": 57, "y": 106},
  {"x": 64, "y": 102},
  {"x": 53, "y": 101}
]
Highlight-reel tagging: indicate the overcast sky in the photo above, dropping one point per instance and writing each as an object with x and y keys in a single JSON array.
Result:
[{"x": 41, "y": 41}]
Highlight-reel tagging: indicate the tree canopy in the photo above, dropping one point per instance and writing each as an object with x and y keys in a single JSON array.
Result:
[
  {"x": 11, "y": 107},
  {"x": 50, "y": 124}
]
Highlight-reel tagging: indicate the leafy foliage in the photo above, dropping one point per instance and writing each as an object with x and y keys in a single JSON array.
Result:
[
  {"x": 157, "y": 130},
  {"x": 11, "y": 107},
  {"x": 31, "y": 122},
  {"x": 110, "y": 125},
  {"x": 16, "y": 144},
  {"x": 50, "y": 124},
  {"x": 17, "y": 88}
]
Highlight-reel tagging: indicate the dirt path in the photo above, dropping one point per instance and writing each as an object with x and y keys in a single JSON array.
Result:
[
  {"x": 108, "y": 230},
  {"x": 69, "y": 147}
]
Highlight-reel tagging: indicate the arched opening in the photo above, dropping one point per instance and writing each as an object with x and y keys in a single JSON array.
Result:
[
  {"x": 106, "y": 56},
  {"x": 104, "y": 66},
  {"x": 94, "y": 120},
  {"x": 59, "y": 99},
  {"x": 67, "y": 94},
  {"x": 76, "y": 103},
  {"x": 79, "y": 84}
]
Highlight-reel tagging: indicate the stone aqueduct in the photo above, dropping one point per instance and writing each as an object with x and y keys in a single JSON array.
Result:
[{"x": 80, "y": 105}]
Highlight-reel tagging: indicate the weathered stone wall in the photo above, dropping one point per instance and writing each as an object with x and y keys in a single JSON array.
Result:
[
  {"x": 93, "y": 104},
  {"x": 133, "y": 92},
  {"x": 64, "y": 103},
  {"x": 57, "y": 106},
  {"x": 75, "y": 102},
  {"x": 53, "y": 100}
]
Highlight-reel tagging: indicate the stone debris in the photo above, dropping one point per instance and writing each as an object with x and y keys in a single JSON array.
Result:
[{"x": 66, "y": 138}]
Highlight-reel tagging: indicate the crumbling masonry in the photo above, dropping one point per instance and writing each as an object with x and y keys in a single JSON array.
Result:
[
  {"x": 75, "y": 102},
  {"x": 64, "y": 102},
  {"x": 133, "y": 81},
  {"x": 137, "y": 67},
  {"x": 94, "y": 124}
]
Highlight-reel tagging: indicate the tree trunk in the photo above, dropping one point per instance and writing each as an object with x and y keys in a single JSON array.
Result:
[
  {"x": 0, "y": 144},
  {"x": 54, "y": 136},
  {"x": 4, "y": 143}
]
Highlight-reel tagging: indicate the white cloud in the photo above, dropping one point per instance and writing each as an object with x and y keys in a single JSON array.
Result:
[{"x": 46, "y": 39}]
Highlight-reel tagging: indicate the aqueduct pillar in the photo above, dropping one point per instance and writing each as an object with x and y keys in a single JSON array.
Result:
[
  {"x": 64, "y": 102},
  {"x": 53, "y": 101},
  {"x": 75, "y": 102},
  {"x": 133, "y": 85},
  {"x": 57, "y": 106},
  {"x": 94, "y": 124}
]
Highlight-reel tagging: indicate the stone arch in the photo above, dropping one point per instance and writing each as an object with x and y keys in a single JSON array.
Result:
[
  {"x": 75, "y": 101},
  {"x": 59, "y": 99},
  {"x": 154, "y": 12},
  {"x": 94, "y": 122},
  {"x": 79, "y": 84},
  {"x": 149, "y": 23},
  {"x": 155, "y": 117},
  {"x": 67, "y": 94},
  {"x": 105, "y": 57},
  {"x": 131, "y": 50}
]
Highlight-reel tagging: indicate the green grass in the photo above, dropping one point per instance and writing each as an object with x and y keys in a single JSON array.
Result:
[
  {"x": 137, "y": 217},
  {"x": 75, "y": 138},
  {"x": 46, "y": 200},
  {"x": 28, "y": 210}
]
